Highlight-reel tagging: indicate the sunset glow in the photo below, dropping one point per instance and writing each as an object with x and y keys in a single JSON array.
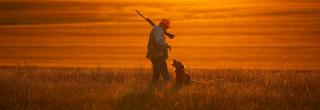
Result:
[
  {"x": 159, "y": 54},
  {"x": 215, "y": 34}
]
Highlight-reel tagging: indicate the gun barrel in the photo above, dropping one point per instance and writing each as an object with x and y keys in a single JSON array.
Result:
[
  {"x": 147, "y": 19},
  {"x": 170, "y": 35},
  {"x": 140, "y": 14}
]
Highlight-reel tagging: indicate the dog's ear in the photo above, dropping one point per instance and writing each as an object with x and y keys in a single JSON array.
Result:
[{"x": 180, "y": 65}]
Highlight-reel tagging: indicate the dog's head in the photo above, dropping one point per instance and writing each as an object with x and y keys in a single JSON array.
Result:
[{"x": 178, "y": 65}]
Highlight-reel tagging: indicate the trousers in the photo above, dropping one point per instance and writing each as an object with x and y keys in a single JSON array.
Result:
[{"x": 159, "y": 66}]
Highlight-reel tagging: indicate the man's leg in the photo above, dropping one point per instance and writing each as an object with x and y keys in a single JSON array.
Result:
[
  {"x": 164, "y": 70},
  {"x": 156, "y": 71}
]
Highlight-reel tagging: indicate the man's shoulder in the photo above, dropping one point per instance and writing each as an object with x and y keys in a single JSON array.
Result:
[
  {"x": 155, "y": 26},
  {"x": 158, "y": 28}
]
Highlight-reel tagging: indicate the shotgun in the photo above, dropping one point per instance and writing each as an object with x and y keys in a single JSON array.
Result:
[{"x": 170, "y": 35}]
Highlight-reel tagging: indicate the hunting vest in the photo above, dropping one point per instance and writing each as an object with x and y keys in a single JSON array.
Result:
[{"x": 155, "y": 51}]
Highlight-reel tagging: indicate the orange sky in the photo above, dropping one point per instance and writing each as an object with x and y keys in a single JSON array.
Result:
[{"x": 220, "y": 33}]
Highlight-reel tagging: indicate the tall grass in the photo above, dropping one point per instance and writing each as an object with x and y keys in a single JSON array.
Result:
[{"x": 35, "y": 88}]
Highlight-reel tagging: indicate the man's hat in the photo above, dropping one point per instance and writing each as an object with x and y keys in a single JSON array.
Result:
[{"x": 165, "y": 22}]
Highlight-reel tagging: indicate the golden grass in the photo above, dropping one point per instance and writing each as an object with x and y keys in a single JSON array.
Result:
[{"x": 35, "y": 88}]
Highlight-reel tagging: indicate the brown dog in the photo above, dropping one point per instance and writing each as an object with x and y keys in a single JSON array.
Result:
[{"x": 181, "y": 77}]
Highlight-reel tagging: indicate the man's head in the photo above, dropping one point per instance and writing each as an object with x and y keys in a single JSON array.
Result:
[{"x": 165, "y": 24}]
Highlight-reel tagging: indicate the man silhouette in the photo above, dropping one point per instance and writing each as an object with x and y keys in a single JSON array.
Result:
[{"x": 158, "y": 51}]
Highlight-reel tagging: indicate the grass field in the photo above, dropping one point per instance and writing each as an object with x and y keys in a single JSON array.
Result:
[{"x": 35, "y": 88}]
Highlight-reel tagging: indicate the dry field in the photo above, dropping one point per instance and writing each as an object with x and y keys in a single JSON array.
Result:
[{"x": 35, "y": 88}]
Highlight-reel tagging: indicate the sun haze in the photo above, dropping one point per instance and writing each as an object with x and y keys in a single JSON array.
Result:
[{"x": 214, "y": 34}]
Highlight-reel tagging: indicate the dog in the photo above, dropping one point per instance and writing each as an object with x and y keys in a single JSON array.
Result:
[{"x": 182, "y": 78}]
